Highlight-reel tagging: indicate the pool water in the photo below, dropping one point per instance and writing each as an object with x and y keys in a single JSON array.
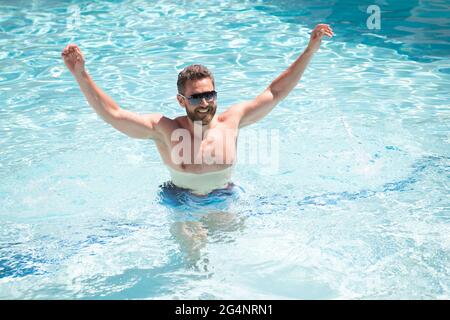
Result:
[{"x": 357, "y": 207}]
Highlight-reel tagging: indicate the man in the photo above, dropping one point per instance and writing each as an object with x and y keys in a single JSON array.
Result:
[{"x": 203, "y": 160}]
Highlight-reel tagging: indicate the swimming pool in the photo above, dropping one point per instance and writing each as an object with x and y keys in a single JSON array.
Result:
[{"x": 356, "y": 208}]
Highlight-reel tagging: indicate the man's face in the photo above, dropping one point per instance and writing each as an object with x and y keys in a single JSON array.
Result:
[{"x": 205, "y": 110}]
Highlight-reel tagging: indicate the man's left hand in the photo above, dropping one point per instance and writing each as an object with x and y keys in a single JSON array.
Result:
[{"x": 316, "y": 36}]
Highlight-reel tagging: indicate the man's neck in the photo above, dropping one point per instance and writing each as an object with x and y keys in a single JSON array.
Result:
[{"x": 198, "y": 129}]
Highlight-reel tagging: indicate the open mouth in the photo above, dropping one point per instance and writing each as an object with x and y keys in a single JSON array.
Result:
[{"x": 202, "y": 110}]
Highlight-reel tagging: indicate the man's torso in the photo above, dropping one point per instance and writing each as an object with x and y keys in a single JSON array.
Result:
[{"x": 198, "y": 152}]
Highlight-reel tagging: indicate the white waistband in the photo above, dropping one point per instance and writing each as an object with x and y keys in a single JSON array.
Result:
[{"x": 201, "y": 183}]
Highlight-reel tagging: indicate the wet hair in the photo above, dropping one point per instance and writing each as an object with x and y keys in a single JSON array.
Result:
[{"x": 193, "y": 72}]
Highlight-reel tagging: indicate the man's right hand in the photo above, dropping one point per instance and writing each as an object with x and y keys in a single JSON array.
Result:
[{"x": 73, "y": 58}]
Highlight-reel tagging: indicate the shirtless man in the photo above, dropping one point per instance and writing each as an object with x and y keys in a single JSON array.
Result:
[{"x": 211, "y": 136}]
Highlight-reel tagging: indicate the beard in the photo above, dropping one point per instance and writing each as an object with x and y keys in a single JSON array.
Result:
[{"x": 204, "y": 117}]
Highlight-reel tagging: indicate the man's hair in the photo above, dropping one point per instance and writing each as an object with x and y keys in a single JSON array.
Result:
[{"x": 193, "y": 72}]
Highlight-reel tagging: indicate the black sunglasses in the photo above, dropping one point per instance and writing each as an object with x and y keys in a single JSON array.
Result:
[{"x": 195, "y": 99}]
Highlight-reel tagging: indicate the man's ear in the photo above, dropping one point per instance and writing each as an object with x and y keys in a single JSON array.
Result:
[{"x": 181, "y": 100}]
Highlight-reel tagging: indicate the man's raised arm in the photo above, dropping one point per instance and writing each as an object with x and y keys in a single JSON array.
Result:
[
  {"x": 251, "y": 111},
  {"x": 129, "y": 123}
]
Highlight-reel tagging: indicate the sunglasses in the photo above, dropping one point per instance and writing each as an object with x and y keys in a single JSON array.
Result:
[{"x": 195, "y": 99}]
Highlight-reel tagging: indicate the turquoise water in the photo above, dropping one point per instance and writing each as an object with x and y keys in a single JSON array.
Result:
[{"x": 357, "y": 208}]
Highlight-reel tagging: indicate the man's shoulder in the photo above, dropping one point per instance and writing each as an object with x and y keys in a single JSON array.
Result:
[
  {"x": 232, "y": 114},
  {"x": 179, "y": 121},
  {"x": 170, "y": 123}
]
